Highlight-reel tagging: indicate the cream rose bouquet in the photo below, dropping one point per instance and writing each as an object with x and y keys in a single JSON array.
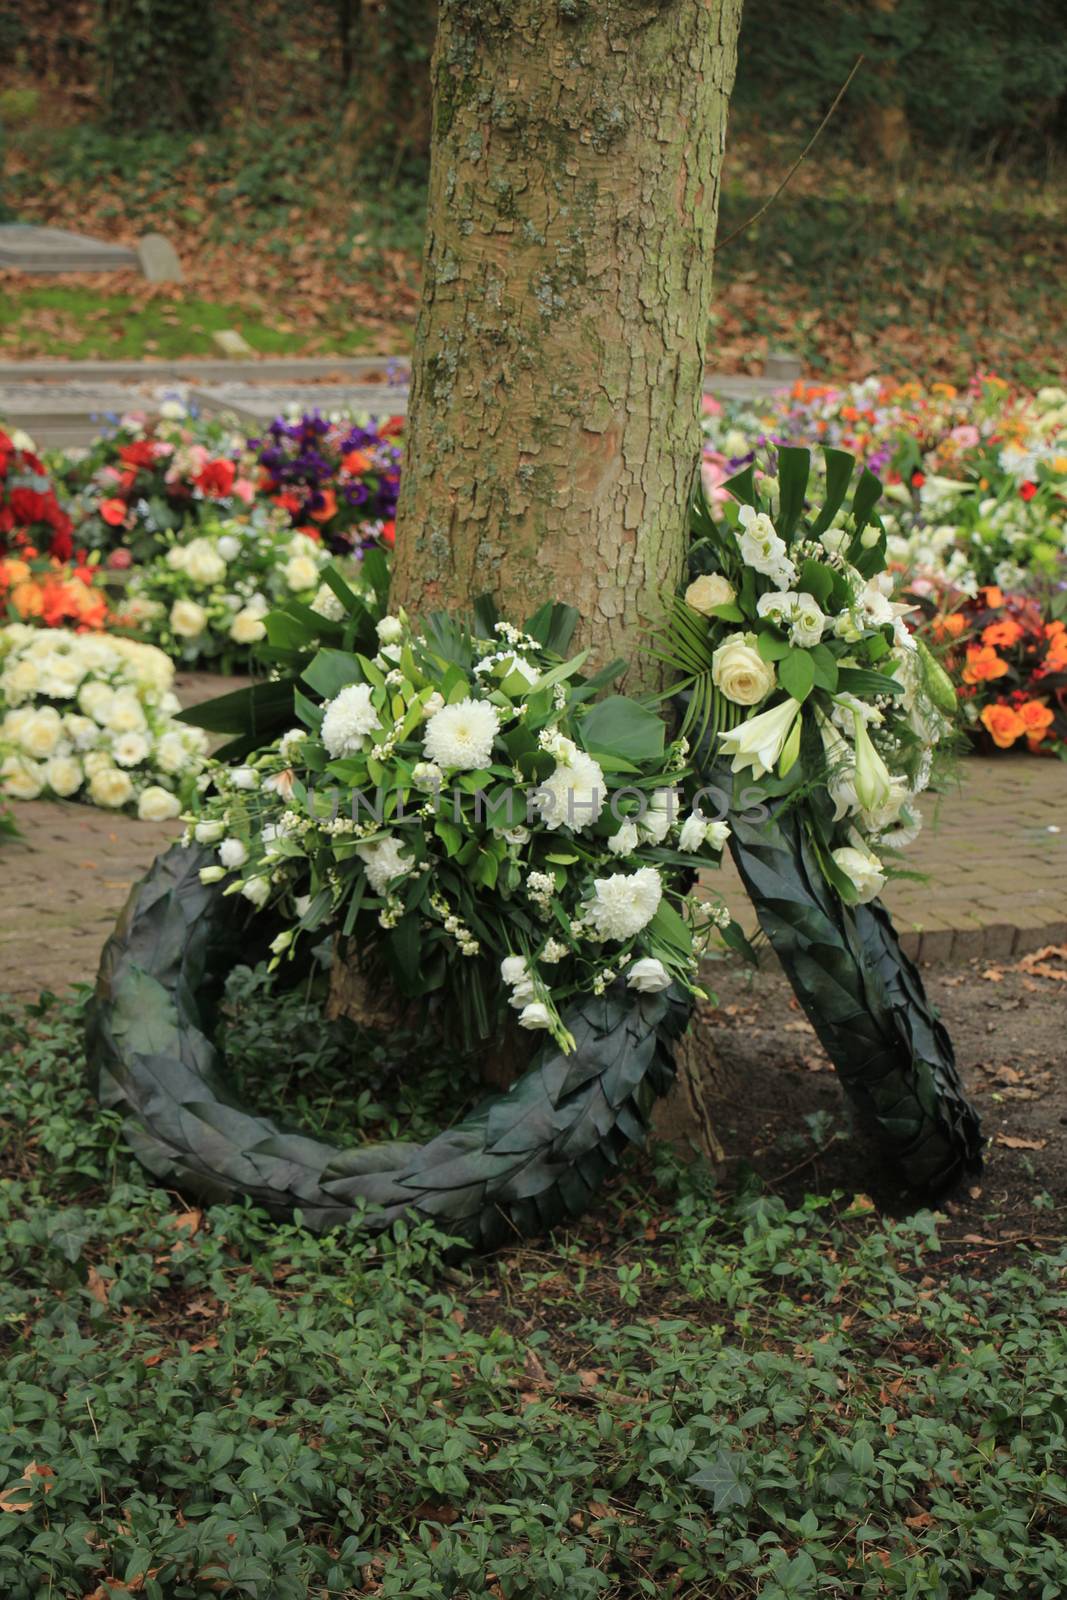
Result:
[
  {"x": 463, "y": 805},
  {"x": 91, "y": 717},
  {"x": 205, "y": 599},
  {"x": 800, "y": 674}
]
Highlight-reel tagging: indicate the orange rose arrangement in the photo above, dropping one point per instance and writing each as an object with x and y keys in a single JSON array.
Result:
[
  {"x": 1008, "y": 659},
  {"x": 51, "y": 594}
]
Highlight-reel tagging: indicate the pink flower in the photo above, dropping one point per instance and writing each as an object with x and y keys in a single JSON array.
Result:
[
  {"x": 710, "y": 406},
  {"x": 966, "y": 435},
  {"x": 245, "y": 490},
  {"x": 120, "y": 559},
  {"x": 714, "y": 474}
]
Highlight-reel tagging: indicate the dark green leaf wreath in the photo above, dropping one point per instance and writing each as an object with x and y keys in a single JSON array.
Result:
[
  {"x": 864, "y": 999},
  {"x": 520, "y": 1162}
]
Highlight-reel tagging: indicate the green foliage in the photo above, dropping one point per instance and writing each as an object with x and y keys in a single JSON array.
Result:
[
  {"x": 961, "y": 73},
  {"x": 163, "y": 64},
  {"x": 736, "y": 1399}
]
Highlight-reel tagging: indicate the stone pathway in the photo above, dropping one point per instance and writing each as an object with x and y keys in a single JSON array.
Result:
[
  {"x": 994, "y": 858},
  {"x": 995, "y": 855}
]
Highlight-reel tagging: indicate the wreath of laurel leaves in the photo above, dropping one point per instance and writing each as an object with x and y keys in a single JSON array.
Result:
[{"x": 519, "y": 1163}]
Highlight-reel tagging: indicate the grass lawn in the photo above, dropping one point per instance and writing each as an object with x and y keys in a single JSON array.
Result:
[{"x": 690, "y": 1395}]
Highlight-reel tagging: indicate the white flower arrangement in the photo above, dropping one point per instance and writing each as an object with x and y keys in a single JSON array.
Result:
[
  {"x": 802, "y": 671},
  {"x": 206, "y": 599},
  {"x": 467, "y": 808},
  {"x": 91, "y": 717}
]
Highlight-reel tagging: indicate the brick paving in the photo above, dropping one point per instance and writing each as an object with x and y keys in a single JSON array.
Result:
[{"x": 995, "y": 855}]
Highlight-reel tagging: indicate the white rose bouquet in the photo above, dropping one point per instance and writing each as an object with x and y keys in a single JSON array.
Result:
[
  {"x": 464, "y": 805},
  {"x": 801, "y": 673},
  {"x": 91, "y": 717},
  {"x": 205, "y": 599}
]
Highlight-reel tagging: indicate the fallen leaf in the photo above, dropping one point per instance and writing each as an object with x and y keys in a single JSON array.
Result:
[
  {"x": 97, "y": 1286},
  {"x": 1011, "y": 1141}
]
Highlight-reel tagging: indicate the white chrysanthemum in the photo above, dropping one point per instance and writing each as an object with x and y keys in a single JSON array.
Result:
[
  {"x": 574, "y": 794},
  {"x": 625, "y": 903},
  {"x": 384, "y": 861},
  {"x": 461, "y": 735},
  {"x": 348, "y": 720},
  {"x": 130, "y": 749},
  {"x": 624, "y": 839}
]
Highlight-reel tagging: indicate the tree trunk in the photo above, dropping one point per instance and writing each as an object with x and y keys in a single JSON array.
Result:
[{"x": 553, "y": 431}]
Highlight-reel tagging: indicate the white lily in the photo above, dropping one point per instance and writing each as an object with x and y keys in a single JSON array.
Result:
[
  {"x": 758, "y": 742},
  {"x": 872, "y": 782}
]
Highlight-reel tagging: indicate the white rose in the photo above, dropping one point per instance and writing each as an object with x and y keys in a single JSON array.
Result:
[
  {"x": 740, "y": 672},
  {"x": 157, "y": 804},
  {"x": 41, "y": 733},
  {"x": 648, "y": 976},
  {"x": 228, "y": 547},
  {"x": 708, "y": 591},
  {"x": 64, "y": 775},
  {"x": 82, "y": 731},
  {"x": 95, "y": 700},
  {"x": 21, "y": 779},
  {"x": 232, "y": 853},
  {"x": 187, "y": 619},
  {"x": 110, "y": 787},
  {"x": 863, "y": 870},
  {"x": 21, "y": 680},
  {"x": 204, "y": 564},
  {"x": 247, "y": 627},
  {"x": 125, "y": 714},
  {"x": 209, "y": 832},
  {"x": 301, "y": 572},
  {"x": 96, "y": 761}
]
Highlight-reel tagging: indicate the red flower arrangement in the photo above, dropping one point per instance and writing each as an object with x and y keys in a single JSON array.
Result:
[
  {"x": 28, "y": 505},
  {"x": 1008, "y": 660}
]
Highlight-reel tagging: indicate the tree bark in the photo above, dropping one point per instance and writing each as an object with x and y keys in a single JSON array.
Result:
[{"x": 553, "y": 430}]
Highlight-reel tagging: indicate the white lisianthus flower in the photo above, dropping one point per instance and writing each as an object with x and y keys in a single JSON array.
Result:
[
  {"x": 625, "y": 840},
  {"x": 301, "y": 572},
  {"x": 739, "y": 671},
  {"x": 349, "y": 718},
  {"x": 875, "y": 606},
  {"x": 244, "y": 778},
  {"x": 41, "y": 733},
  {"x": 693, "y": 832},
  {"x": 522, "y": 994},
  {"x": 156, "y": 804},
  {"x": 247, "y": 627},
  {"x": 64, "y": 775},
  {"x": 573, "y": 795},
  {"x": 708, "y": 591},
  {"x": 390, "y": 630},
  {"x": 863, "y": 870},
  {"x": 432, "y": 704},
  {"x": 461, "y": 735},
  {"x": 20, "y": 778},
  {"x": 835, "y": 541},
  {"x": 110, "y": 787},
  {"x": 187, "y": 619},
  {"x": 233, "y": 853},
  {"x": 383, "y": 861},
  {"x": 660, "y": 816},
  {"x": 807, "y": 620},
  {"x": 513, "y": 969},
  {"x": 535, "y": 1015},
  {"x": 130, "y": 749},
  {"x": 209, "y": 832},
  {"x": 624, "y": 903},
  {"x": 256, "y": 890},
  {"x": 758, "y": 742},
  {"x": 717, "y": 834},
  {"x": 211, "y": 874},
  {"x": 648, "y": 976},
  {"x": 762, "y": 549}
]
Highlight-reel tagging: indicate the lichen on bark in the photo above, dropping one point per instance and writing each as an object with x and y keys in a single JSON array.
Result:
[{"x": 554, "y": 418}]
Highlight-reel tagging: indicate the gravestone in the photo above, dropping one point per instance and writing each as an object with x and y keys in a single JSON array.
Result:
[
  {"x": 259, "y": 404},
  {"x": 25, "y": 248},
  {"x": 159, "y": 259}
]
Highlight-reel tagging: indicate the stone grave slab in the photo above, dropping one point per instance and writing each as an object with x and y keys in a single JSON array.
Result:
[
  {"x": 259, "y": 404},
  {"x": 59, "y": 416},
  {"x": 27, "y": 248},
  {"x": 159, "y": 259}
]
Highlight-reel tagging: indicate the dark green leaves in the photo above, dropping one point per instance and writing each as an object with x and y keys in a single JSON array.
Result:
[
  {"x": 623, "y": 728},
  {"x": 796, "y": 673}
]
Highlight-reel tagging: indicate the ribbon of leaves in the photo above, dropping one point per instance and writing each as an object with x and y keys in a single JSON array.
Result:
[{"x": 520, "y": 1162}]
